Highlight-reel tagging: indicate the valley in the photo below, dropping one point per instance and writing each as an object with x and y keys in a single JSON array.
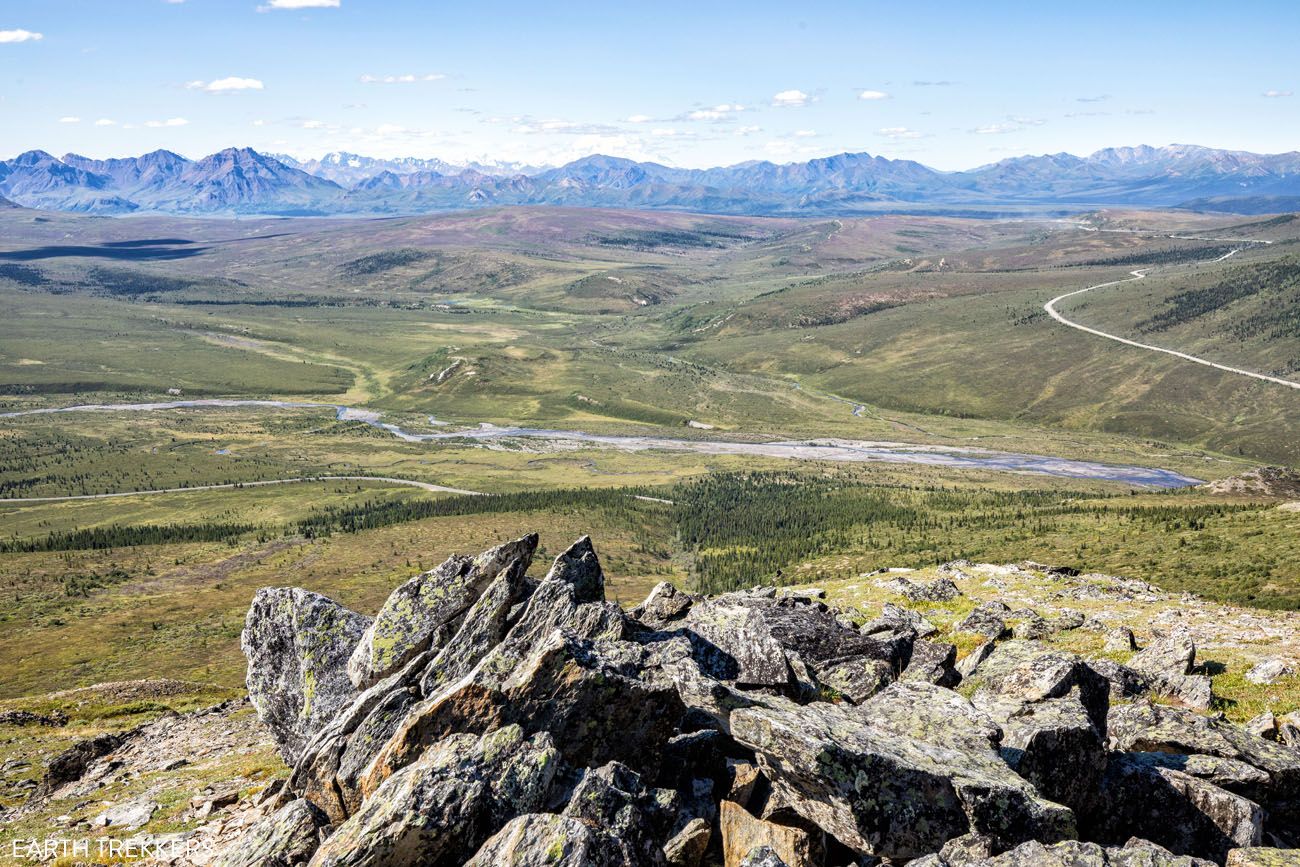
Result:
[{"x": 319, "y": 398}]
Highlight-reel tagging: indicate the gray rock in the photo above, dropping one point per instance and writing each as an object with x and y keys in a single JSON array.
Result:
[
  {"x": 933, "y": 662},
  {"x": 1264, "y": 726},
  {"x": 443, "y": 806},
  {"x": 1073, "y": 853},
  {"x": 1173, "y": 654},
  {"x": 898, "y": 776},
  {"x": 894, "y": 618},
  {"x": 985, "y": 620},
  {"x": 1263, "y": 856},
  {"x": 1119, "y": 639},
  {"x": 71, "y": 764},
  {"x": 286, "y": 838},
  {"x": 746, "y": 650},
  {"x": 127, "y": 817},
  {"x": 1185, "y": 814},
  {"x": 1145, "y": 727},
  {"x": 426, "y": 611},
  {"x": 687, "y": 846},
  {"x": 549, "y": 840},
  {"x": 1052, "y": 708},
  {"x": 297, "y": 644},
  {"x": 614, "y": 799},
  {"x": 665, "y": 605},
  {"x": 1270, "y": 671},
  {"x": 938, "y": 590}
]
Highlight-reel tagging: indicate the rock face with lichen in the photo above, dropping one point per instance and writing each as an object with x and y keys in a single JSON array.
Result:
[
  {"x": 297, "y": 644},
  {"x": 488, "y": 718}
]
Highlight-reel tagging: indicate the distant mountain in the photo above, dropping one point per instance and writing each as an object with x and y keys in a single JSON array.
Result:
[
  {"x": 350, "y": 169},
  {"x": 243, "y": 181}
]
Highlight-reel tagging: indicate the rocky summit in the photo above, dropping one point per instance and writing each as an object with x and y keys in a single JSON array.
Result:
[{"x": 486, "y": 717}]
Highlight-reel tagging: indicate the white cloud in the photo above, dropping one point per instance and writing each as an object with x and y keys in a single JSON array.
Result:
[
  {"x": 20, "y": 36},
  {"x": 663, "y": 132},
  {"x": 791, "y": 98},
  {"x": 995, "y": 129},
  {"x": 174, "y": 2},
  {"x": 171, "y": 121},
  {"x": 409, "y": 78},
  {"x": 897, "y": 132},
  {"x": 748, "y": 130},
  {"x": 873, "y": 94},
  {"x": 640, "y": 118},
  {"x": 69, "y": 120},
  {"x": 301, "y": 4},
  {"x": 259, "y": 122},
  {"x": 104, "y": 121},
  {"x": 226, "y": 85},
  {"x": 717, "y": 112},
  {"x": 390, "y": 129},
  {"x": 1277, "y": 94},
  {"x": 805, "y": 133}
]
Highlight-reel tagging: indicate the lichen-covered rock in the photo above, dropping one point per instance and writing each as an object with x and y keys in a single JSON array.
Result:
[
  {"x": 1263, "y": 856},
  {"x": 1120, "y": 639},
  {"x": 933, "y": 662},
  {"x": 663, "y": 607},
  {"x": 734, "y": 642},
  {"x": 443, "y": 806},
  {"x": 69, "y": 765},
  {"x": 898, "y": 776},
  {"x": 986, "y": 620},
  {"x": 1269, "y": 671},
  {"x": 549, "y": 840},
  {"x": 286, "y": 838},
  {"x": 297, "y": 644},
  {"x": 1173, "y": 654},
  {"x": 1073, "y": 853},
  {"x": 742, "y": 833},
  {"x": 425, "y": 612},
  {"x": 1145, "y": 727},
  {"x": 763, "y": 856},
  {"x": 938, "y": 590},
  {"x": 1183, "y": 813},
  {"x": 614, "y": 799},
  {"x": 895, "y": 617}
]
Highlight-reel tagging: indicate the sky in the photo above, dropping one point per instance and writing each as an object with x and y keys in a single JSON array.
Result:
[{"x": 951, "y": 84}]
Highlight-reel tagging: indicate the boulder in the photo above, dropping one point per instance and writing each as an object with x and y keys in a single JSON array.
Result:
[
  {"x": 549, "y": 840},
  {"x": 763, "y": 856},
  {"x": 1052, "y": 708},
  {"x": 1120, "y": 639},
  {"x": 426, "y": 611},
  {"x": 938, "y": 590},
  {"x": 1146, "y": 727},
  {"x": 734, "y": 642},
  {"x": 297, "y": 644},
  {"x": 286, "y": 838},
  {"x": 1173, "y": 654},
  {"x": 440, "y": 808},
  {"x": 898, "y": 776},
  {"x": 687, "y": 846},
  {"x": 1185, "y": 814},
  {"x": 1263, "y": 856},
  {"x": 743, "y": 833},
  {"x": 69, "y": 765},
  {"x": 1270, "y": 671},
  {"x": 614, "y": 799},
  {"x": 330, "y": 769},
  {"x": 986, "y": 620},
  {"x": 1073, "y": 853},
  {"x": 895, "y": 618},
  {"x": 933, "y": 662},
  {"x": 663, "y": 607}
]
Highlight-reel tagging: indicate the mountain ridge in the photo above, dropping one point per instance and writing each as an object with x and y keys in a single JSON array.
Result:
[{"x": 245, "y": 181}]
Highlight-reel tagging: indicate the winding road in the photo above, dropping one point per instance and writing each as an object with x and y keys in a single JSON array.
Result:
[{"x": 1140, "y": 274}]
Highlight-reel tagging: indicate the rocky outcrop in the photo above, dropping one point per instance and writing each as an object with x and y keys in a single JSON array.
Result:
[
  {"x": 492, "y": 718},
  {"x": 297, "y": 644}
]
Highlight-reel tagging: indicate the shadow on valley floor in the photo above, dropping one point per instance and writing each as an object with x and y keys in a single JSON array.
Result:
[{"x": 160, "y": 249}]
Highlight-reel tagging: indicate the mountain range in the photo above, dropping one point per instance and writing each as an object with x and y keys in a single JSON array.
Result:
[{"x": 243, "y": 181}]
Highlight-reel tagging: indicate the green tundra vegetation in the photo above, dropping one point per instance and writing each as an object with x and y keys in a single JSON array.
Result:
[{"x": 924, "y": 330}]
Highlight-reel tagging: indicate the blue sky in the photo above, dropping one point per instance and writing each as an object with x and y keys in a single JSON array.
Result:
[{"x": 953, "y": 85}]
